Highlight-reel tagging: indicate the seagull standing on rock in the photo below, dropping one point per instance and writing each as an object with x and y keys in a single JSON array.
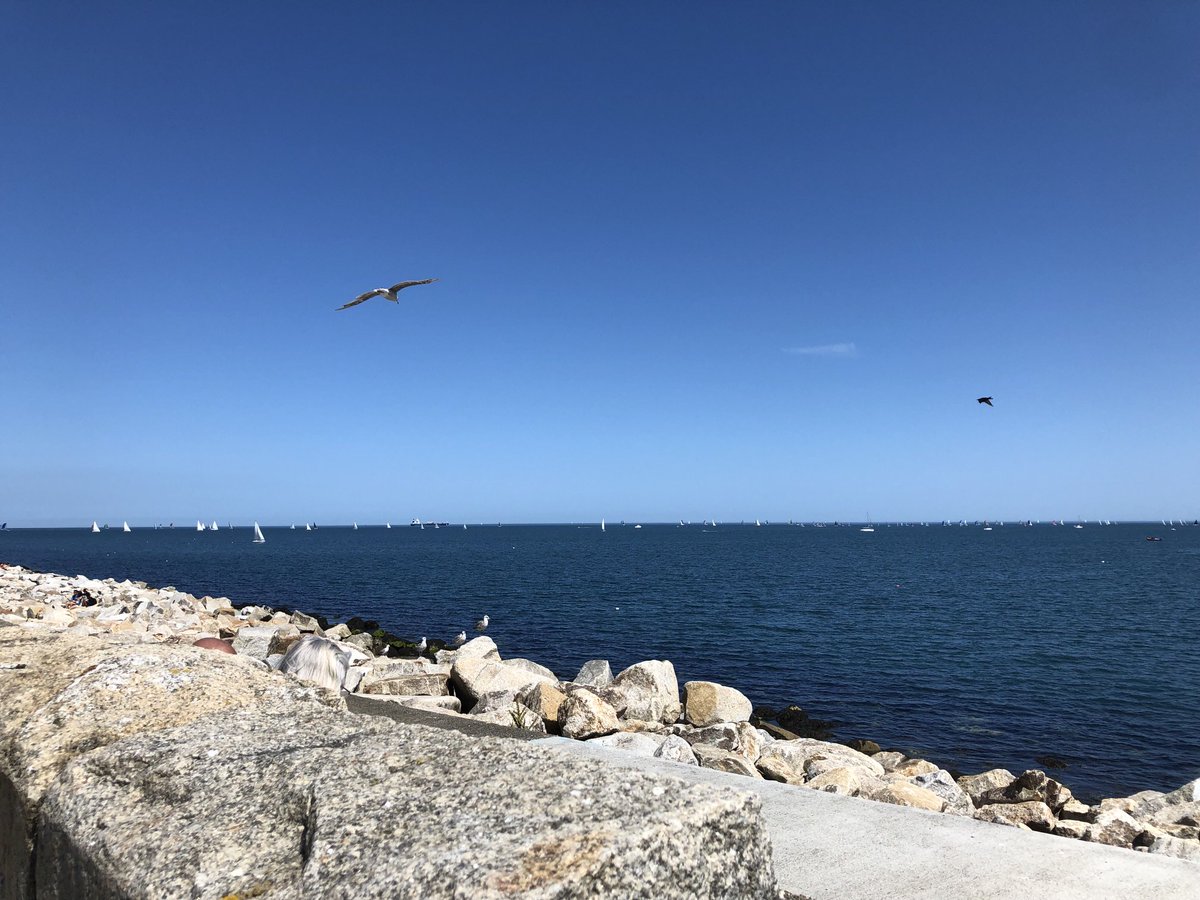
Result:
[
  {"x": 460, "y": 639},
  {"x": 390, "y": 293},
  {"x": 482, "y": 624},
  {"x": 421, "y": 647}
]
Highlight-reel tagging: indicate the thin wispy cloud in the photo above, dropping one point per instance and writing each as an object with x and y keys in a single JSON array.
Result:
[{"x": 844, "y": 349}]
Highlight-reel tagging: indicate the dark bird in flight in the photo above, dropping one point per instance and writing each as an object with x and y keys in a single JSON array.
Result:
[
  {"x": 987, "y": 400},
  {"x": 390, "y": 293}
]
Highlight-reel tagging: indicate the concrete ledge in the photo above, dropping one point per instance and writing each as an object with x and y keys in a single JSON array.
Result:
[{"x": 828, "y": 846}]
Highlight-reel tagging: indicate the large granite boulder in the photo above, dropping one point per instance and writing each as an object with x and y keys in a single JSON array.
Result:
[
  {"x": 711, "y": 757},
  {"x": 1030, "y": 785},
  {"x": 976, "y": 786},
  {"x": 277, "y": 805},
  {"x": 848, "y": 782},
  {"x": 513, "y": 715},
  {"x": 584, "y": 715},
  {"x": 595, "y": 674},
  {"x": 741, "y": 738},
  {"x": 646, "y": 690},
  {"x": 1113, "y": 827},
  {"x": 905, "y": 793},
  {"x": 544, "y": 699},
  {"x": 796, "y": 761},
  {"x": 408, "y": 677},
  {"x": 707, "y": 703},
  {"x": 1179, "y": 806},
  {"x": 528, "y": 665},
  {"x": 74, "y": 694},
  {"x": 676, "y": 749},
  {"x": 474, "y": 676},
  {"x": 637, "y": 743},
  {"x": 942, "y": 783},
  {"x": 1029, "y": 813}
]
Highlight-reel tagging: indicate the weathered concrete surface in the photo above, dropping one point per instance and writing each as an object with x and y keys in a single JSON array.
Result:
[
  {"x": 307, "y": 802},
  {"x": 828, "y": 846},
  {"x": 75, "y": 693}
]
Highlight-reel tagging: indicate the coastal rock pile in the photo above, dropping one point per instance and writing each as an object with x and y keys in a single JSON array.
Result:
[{"x": 640, "y": 710}]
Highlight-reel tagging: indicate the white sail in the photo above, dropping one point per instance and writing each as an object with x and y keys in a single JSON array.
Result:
[
  {"x": 258, "y": 535},
  {"x": 293, "y": 526},
  {"x": 199, "y": 525},
  {"x": 95, "y": 527},
  {"x": 389, "y": 524},
  {"x": 601, "y": 524},
  {"x": 307, "y": 527},
  {"x": 356, "y": 526},
  {"x": 213, "y": 526},
  {"x": 125, "y": 526},
  {"x": 757, "y": 524}
]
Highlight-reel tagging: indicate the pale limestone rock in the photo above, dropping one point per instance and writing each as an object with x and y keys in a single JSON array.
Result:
[
  {"x": 708, "y": 703},
  {"x": 430, "y": 704},
  {"x": 676, "y": 749},
  {"x": 595, "y": 673},
  {"x": 905, "y": 793},
  {"x": 1032, "y": 784},
  {"x": 942, "y": 783},
  {"x": 56, "y": 615},
  {"x": 583, "y": 715},
  {"x": 837, "y": 781},
  {"x": 475, "y": 676},
  {"x": 338, "y": 632},
  {"x": 515, "y": 715},
  {"x": 1031, "y": 813},
  {"x": 627, "y": 742},
  {"x": 646, "y": 690},
  {"x": 1179, "y": 805},
  {"x": 254, "y": 640},
  {"x": 1073, "y": 809},
  {"x": 790, "y": 760},
  {"x": 1113, "y": 827},
  {"x": 977, "y": 785},
  {"x": 528, "y": 665},
  {"x": 1071, "y": 828},
  {"x": 910, "y": 768},
  {"x": 494, "y": 700},
  {"x": 1176, "y": 847},
  {"x": 711, "y": 757},
  {"x": 364, "y": 641},
  {"x": 305, "y": 622},
  {"x": 482, "y": 647},
  {"x": 736, "y": 737},
  {"x": 405, "y": 677},
  {"x": 545, "y": 700}
]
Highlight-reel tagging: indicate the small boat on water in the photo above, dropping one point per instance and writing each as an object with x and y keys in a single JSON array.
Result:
[
  {"x": 258, "y": 535},
  {"x": 1153, "y": 538},
  {"x": 293, "y": 526},
  {"x": 125, "y": 526},
  {"x": 356, "y": 526},
  {"x": 200, "y": 526},
  {"x": 307, "y": 527},
  {"x": 601, "y": 524},
  {"x": 213, "y": 526},
  {"x": 95, "y": 527},
  {"x": 389, "y": 525}
]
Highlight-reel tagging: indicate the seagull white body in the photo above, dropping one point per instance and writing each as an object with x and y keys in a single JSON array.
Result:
[
  {"x": 388, "y": 293},
  {"x": 461, "y": 639},
  {"x": 422, "y": 646},
  {"x": 482, "y": 624}
]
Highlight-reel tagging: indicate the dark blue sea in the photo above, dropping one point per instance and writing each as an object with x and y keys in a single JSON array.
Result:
[{"x": 970, "y": 648}]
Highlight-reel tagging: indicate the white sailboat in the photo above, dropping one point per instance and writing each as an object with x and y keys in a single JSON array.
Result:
[
  {"x": 258, "y": 535},
  {"x": 125, "y": 526},
  {"x": 95, "y": 527},
  {"x": 464, "y": 526},
  {"x": 389, "y": 525},
  {"x": 356, "y": 526},
  {"x": 213, "y": 526},
  {"x": 757, "y": 524},
  {"x": 199, "y": 525},
  {"x": 601, "y": 524},
  {"x": 293, "y": 526},
  {"x": 307, "y": 527},
  {"x": 870, "y": 526}
]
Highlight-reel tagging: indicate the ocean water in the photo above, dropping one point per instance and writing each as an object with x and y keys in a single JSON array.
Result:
[{"x": 970, "y": 648}]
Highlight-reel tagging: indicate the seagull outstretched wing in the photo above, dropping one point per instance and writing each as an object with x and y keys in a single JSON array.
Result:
[
  {"x": 987, "y": 400},
  {"x": 363, "y": 298},
  {"x": 402, "y": 285}
]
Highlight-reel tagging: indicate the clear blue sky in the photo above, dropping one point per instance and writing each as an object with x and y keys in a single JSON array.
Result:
[{"x": 696, "y": 259}]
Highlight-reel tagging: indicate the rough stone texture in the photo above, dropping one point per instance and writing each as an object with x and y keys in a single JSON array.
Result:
[
  {"x": 1071, "y": 828},
  {"x": 711, "y": 757},
  {"x": 1032, "y": 814},
  {"x": 736, "y": 737},
  {"x": 482, "y": 647},
  {"x": 475, "y": 676},
  {"x": 1029, "y": 785},
  {"x": 433, "y": 704},
  {"x": 708, "y": 703},
  {"x": 646, "y": 690},
  {"x": 545, "y": 700},
  {"x": 789, "y": 760},
  {"x": 494, "y": 700},
  {"x": 1176, "y": 847},
  {"x": 595, "y": 673},
  {"x": 1073, "y": 809},
  {"x": 514, "y": 715},
  {"x": 637, "y": 743},
  {"x": 977, "y": 785},
  {"x": 255, "y": 640},
  {"x": 837, "y": 781},
  {"x": 406, "y": 677},
  {"x": 942, "y": 783},
  {"x": 905, "y": 793},
  {"x": 1113, "y": 827},
  {"x": 529, "y": 665},
  {"x": 78, "y": 693},
  {"x": 277, "y": 806},
  {"x": 676, "y": 749},
  {"x": 584, "y": 715},
  {"x": 1179, "y": 806}
]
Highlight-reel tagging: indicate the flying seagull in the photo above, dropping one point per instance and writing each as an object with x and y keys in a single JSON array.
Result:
[
  {"x": 987, "y": 400},
  {"x": 390, "y": 293}
]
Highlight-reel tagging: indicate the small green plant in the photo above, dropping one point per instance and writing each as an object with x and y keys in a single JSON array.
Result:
[{"x": 520, "y": 717}]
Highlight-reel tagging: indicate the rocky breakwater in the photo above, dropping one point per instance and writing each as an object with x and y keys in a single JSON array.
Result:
[{"x": 136, "y": 764}]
